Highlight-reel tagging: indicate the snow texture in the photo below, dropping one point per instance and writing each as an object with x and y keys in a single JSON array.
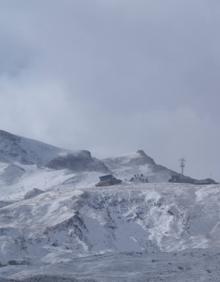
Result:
[{"x": 56, "y": 225}]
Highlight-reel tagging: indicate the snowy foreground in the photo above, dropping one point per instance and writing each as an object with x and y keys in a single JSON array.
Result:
[{"x": 141, "y": 232}]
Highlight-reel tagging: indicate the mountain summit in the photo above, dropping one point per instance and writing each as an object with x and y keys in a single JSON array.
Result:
[
  {"x": 17, "y": 151},
  {"x": 26, "y": 151}
]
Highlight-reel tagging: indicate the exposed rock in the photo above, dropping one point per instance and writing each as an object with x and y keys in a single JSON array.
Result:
[
  {"x": 81, "y": 161},
  {"x": 12, "y": 173},
  {"x": 33, "y": 193},
  {"x": 4, "y": 204},
  {"x": 26, "y": 151}
]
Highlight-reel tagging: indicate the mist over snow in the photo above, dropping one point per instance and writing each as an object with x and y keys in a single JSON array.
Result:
[{"x": 114, "y": 76}]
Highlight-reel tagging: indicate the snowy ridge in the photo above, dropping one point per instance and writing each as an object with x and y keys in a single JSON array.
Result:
[
  {"x": 26, "y": 151},
  {"x": 125, "y": 167}
]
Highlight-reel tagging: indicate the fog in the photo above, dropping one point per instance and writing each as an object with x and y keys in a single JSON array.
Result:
[{"x": 115, "y": 76}]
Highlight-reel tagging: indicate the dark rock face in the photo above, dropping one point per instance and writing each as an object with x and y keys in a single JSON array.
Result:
[
  {"x": 12, "y": 173},
  {"x": 144, "y": 158},
  {"x": 4, "y": 204},
  {"x": 33, "y": 193},
  {"x": 14, "y": 148},
  {"x": 82, "y": 161},
  {"x": 10, "y": 149}
]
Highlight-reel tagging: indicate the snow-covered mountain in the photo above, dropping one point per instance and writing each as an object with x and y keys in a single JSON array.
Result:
[
  {"x": 56, "y": 225},
  {"x": 26, "y": 164},
  {"x": 14, "y": 148},
  {"x": 26, "y": 151},
  {"x": 139, "y": 167},
  {"x": 138, "y": 164}
]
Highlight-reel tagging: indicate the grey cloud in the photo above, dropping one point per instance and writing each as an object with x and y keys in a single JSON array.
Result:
[{"x": 113, "y": 76}]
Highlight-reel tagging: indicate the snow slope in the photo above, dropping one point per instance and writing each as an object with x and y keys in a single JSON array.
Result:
[
  {"x": 26, "y": 151},
  {"x": 139, "y": 167},
  {"x": 26, "y": 164},
  {"x": 44, "y": 179},
  {"x": 125, "y": 167},
  {"x": 56, "y": 227}
]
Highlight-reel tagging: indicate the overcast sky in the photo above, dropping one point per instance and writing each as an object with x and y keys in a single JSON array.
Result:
[{"x": 113, "y": 76}]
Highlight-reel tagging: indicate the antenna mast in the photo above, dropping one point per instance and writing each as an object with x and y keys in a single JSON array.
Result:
[{"x": 182, "y": 165}]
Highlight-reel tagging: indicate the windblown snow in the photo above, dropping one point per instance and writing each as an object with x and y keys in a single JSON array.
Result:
[{"x": 56, "y": 225}]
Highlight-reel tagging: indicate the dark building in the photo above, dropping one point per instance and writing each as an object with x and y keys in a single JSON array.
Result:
[
  {"x": 106, "y": 177},
  {"x": 179, "y": 178},
  {"x": 108, "y": 180}
]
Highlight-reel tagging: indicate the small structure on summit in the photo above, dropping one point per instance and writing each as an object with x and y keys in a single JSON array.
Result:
[
  {"x": 179, "y": 178},
  {"x": 108, "y": 180},
  {"x": 139, "y": 178},
  {"x": 182, "y": 165}
]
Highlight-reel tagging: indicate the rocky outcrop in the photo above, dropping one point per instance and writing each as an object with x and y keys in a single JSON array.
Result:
[
  {"x": 81, "y": 161},
  {"x": 33, "y": 193},
  {"x": 26, "y": 151},
  {"x": 11, "y": 174}
]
